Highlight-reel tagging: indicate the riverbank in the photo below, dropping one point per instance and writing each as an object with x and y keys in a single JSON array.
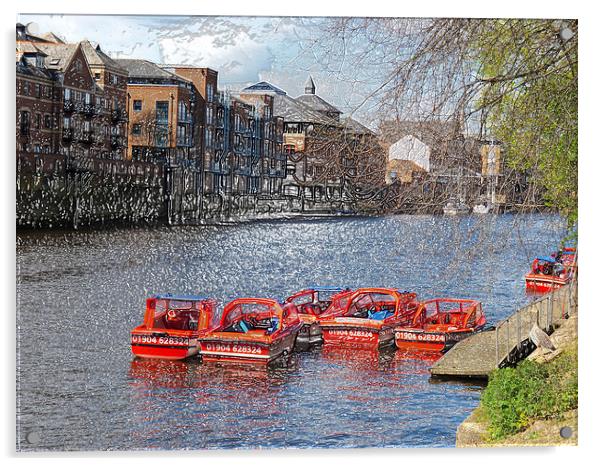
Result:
[{"x": 477, "y": 429}]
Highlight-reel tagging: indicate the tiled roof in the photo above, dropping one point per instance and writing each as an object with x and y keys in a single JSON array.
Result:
[
  {"x": 34, "y": 72},
  {"x": 96, "y": 56},
  {"x": 293, "y": 110},
  {"x": 58, "y": 55},
  {"x": 145, "y": 69},
  {"x": 28, "y": 47},
  {"x": 264, "y": 87},
  {"x": 317, "y": 103},
  {"x": 355, "y": 126}
]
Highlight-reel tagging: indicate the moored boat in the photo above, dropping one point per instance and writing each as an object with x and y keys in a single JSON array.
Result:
[
  {"x": 440, "y": 323},
  {"x": 254, "y": 330},
  {"x": 172, "y": 325},
  {"x": 311, "y": 303},
  {"x": 551, "y": 272},
  {"x": 367, "y": 317}
]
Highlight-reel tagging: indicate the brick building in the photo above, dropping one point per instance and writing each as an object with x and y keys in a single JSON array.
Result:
[
  {"x": 162, "y": 109},
  {"x": 67, "y": 97}
]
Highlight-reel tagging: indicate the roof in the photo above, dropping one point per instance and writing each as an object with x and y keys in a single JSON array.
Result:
[
  {"x": 58, "y": 55},
  {"x": 96, "y": 56},
  {"x": 176, "y": 297},
  {"x": 264, "y": 87},
  {"x": 317, "y": 103},
  {"x": 293, "y": 110},
  {"x": 309, "y": 84},
  {"x": 28, "y": 47},
  {"x": 33, "y": 71},
  {"x": 145, "y": 69},
  {"x": 355, "y": 126},
  {"x": 52, "y": 37}
]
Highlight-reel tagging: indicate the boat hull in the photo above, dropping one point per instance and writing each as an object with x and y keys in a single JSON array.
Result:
[
  {"x": 544, "y": 283},
  {"x": 152, "y": 346},
  {"x": 354, "y": 335},
  {"x": 231, "y": 349},
  {"x": 422, "y": 340}
]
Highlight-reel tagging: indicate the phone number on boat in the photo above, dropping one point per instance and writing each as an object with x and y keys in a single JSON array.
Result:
[
  {"x": 151, "y": 339},
  {"x": 351, "y": 333},
  {"x": 248, "y": 349},
  {"x": 419, "y": 336}
]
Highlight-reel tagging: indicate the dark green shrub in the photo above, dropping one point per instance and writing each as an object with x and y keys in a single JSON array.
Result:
[{"x": 515, "y": 397}]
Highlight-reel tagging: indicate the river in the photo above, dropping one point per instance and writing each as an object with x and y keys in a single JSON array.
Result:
[{"x": 79, "y": 293}]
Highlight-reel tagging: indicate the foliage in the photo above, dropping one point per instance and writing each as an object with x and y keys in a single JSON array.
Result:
[
  {"x": 515, "y": 397},
  {"x": 529, "y": 76}
]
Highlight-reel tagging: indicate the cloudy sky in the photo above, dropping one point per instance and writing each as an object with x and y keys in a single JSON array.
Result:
[{"x": 243, "y": 49}]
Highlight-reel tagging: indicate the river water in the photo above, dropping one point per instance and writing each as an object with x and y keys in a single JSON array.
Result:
[{"x": 80, "y": 293}]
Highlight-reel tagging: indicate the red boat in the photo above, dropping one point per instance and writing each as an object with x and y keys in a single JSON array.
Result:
[
  {"x": 311, "y": 303},
  {"x": 252, "y": 330},
  {"x": 172, "y": 325},
  {"x": 440, "y": 323},
  {"x": 366, "y": 317},
  {"x": 551, "y": 272}
]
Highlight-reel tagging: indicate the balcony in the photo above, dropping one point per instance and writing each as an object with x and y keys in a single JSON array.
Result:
[
  {"x": 89, "y": 110},
  {"x": 184, "y": 141},
  {"x": 68, "y": 106},
  {"x": 116, "y": 141},
  {"x": 79, "y": 107},
  {"x": 87, "y": 137},
  {"x": 67, "y": 134},
  {"x": 118, "y": 114}
]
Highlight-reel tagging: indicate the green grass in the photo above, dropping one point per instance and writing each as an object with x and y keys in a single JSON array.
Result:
[{"x": 515, "y": 397}]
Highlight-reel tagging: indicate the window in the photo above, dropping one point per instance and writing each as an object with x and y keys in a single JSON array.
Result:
[
  {"x": 137, "y": 129},
  {"x": 67, "y": 93},
  {"x": 47, "y": 121},
  {"x": 97, "y": 76},
  {"x": 137, "y": 105},
  {"x": 25, "y": 88},
  {"x": 38, "y": 120},
  {"x": 162, "y": 112},
  {"x": 209, "y": 92},
  {"x": 24, "y": 123},
  {"x": 66, "y": 123}
]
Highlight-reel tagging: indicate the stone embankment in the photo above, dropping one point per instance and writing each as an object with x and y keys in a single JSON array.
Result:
[{"x": 473, "y": 431}]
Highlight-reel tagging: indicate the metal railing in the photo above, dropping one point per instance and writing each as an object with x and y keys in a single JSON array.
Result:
[{"x": 512, "y": 341}]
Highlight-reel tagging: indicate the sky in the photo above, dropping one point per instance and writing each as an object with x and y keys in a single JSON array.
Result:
[{"x": 244, "y": 50}]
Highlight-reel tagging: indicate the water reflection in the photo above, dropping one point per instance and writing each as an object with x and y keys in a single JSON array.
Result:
[{"x": 86, "y": 290}]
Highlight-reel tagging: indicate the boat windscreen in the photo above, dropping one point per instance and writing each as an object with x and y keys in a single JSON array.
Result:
[{"x": 242, "y": 310}]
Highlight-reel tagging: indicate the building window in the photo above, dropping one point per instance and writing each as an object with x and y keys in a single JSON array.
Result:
[
  {"x": 96, "y": 76},
  {"x": 38, "y": 120},
  {"x": 162, "y": 112},
  {"x": 47, "y": 121},
  {"x": 137, "y": 105},
  {"x": 67, "y": 93},
  {"x": 137, "y": 129},
  {"x": 24, "y": 127}
]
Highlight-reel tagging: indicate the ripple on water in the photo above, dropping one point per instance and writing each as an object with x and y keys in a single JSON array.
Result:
[{"x": 80, "y": 293}]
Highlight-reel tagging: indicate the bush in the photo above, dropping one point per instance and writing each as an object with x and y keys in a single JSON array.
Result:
[{"x": 515, "y": 397}]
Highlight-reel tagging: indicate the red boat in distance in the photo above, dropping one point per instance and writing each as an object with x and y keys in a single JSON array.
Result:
[
  {"x": 367, "y": 317},
  {"x": 172, "y": 325},
  {"x": 253, "y": 330},
  {"x": 311, "y": 303},
  {"x": 440, "y": 323},
  {"x": 551, "y": 272}
]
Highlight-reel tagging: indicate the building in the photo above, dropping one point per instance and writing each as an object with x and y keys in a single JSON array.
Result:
[
  {"x": 70, "y": 101},
  {"x": 162, "y": 110},
  {"x": 270, "y": 144}
]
